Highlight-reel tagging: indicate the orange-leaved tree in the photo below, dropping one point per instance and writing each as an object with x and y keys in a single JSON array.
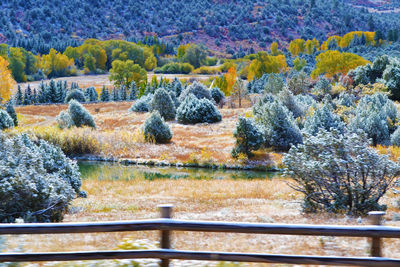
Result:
[{"x": 6, "y": 81}]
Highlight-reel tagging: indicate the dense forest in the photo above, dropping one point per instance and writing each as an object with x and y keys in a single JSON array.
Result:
[{"x": 220, "y": 25}]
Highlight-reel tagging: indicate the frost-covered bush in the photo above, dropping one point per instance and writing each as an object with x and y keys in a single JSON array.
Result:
[
  {"x": 323, "y": 118},
  {"x": 11, "y": 111},
  {"x": 395, "y": 138},
  {"x": 198, "y": 90},
  {"x": 37, "y": 181},
  {"x": 248, "y": 137},
  {"x": 155, "y": 129},
  {"x": 279, "y": 127},
  {"x": 256, "y": 86},
  {"x": 80, "y": 115},
  {"x": 391, "y": 76},
  {"x": 345, "y": 99},
  {"x": 163, "y": 103},
  {"x": 299, "y": 83},
  {"x": 376, "y": 115},
  {"x": 217, "y": 94},
  {"x": 174, "y": 99},
  {"x": 287, "y": 98},
  {"x": 91, "y": 94},
  {"x": 274, "y": 84},
  {"x": 192, "y": 111},
  {"x": 64, "y": 120},
  {"x": 5, "y": 120},
  {"x": 323, "y": 86},
  {"x": 75, "y": 94},
  {"x": 340, "y": 173},
  {"x": 142, "y": 104}
]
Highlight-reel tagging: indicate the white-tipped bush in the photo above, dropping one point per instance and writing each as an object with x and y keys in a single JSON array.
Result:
[
  {"x": 38, "y": 182},
  {"x": 217, "y": 94},
  {"x": 5, "y": 120},
  {"x": 163, "y": 103},
  {"x": 248, "y": 137},
  {"x": 192, "y": 111},
  {"x": 395, "y": 138},
  {"x": 156, "y": 130},
  {"x": 91, "y": 94},
  {"x": 198, "y": 90},
  {"x": 142, "y": 104},
  {"x": 64, "y": 120},
  {"x": 75, "y": 94},
  {"x": 323, "y": 118},
  {"x": 80, "y": 115}
]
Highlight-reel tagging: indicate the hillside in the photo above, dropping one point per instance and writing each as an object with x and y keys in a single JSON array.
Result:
[{"x": 220, "y": 25}]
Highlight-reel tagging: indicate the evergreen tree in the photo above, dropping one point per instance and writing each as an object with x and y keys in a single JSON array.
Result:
[
  {"x": 19, "y": 99},
  {"x": 156, "y": 130},
  {"x": 51, "y": 92},
  {"x": 248, "y": 137},
  {"x": 91, "y": 94},
  {"x": 133, "y": 91},
  {"x": 105, "y": 94},
  {"x": 28, "y": 96},
  {"x": 163, "y": 103},
  {"x": 5, "y": 120},
  {"x": 115, "y": 94},
  {"x": 80, "y": 115},
  {"x": 11, "y": 111},
  {"x": 122, "y": 93}
]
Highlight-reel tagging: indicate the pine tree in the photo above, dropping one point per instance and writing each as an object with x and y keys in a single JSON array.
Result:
[
  {"x": 19, "y": 97},
  {"x": 105, "y": 94},
  {"x": 115, "y": 94},
  {"x": 28, "y": 96},
  {"x": 133, "y": 91},
  {"x": 122, "y": 93},
  {"x": 11, "y": 111}
]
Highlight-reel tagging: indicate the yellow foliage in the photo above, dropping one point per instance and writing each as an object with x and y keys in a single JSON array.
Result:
[
  {"x": 264, "y": 63},
  {"x": 338, "y": 88},
  {"x": 231, "y": 79},
  {"x": 347, "y": 38},
  {"x": 6, "y": 80},
  {"x": 297, "y": 46},
  {"x": 55, "y": 62},
  {"x": 332, "y": 63},
  {"x": 370, "y": 89}
]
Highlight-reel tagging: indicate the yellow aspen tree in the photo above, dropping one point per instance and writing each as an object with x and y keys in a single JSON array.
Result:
[{"x": 6, "y": 81}]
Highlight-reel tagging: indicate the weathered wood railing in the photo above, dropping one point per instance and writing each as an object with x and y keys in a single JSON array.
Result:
[{"x": 165, "y": 225}]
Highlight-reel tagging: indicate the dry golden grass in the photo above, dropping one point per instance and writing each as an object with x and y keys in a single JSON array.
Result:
[
  {"x": 268, "y": 201},
  {"x": 210, "y": 143}
]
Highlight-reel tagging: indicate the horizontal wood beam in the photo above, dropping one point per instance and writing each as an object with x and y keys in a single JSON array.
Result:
[
  {"x": 202, "y": 226},
  {"x": 194, "y": 255}
]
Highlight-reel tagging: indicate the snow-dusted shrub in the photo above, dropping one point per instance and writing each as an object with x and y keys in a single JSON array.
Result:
[
  {"x": 91, "y": 94},
  {"x": 323, "y": 86},
  {"x": 217, "y": 94},
  {"x": 5, "y": 120},
  {"x": 155, "y": 129},
  {"x": 274, "y": 84},
  {"x": 287, "y": 98},
  {"x": 163, "y": 103},
  {"x": 340, "y": 173},
  {"x": 395, "y": 138},
  {"x": 377, "y": 116},
  {"x": 279, "y": 127},
  {"x": 192, "y": 111},
  {"x": 198, "y": 90},
  {"x": 323, "y": 118},
  {"x": 37, "y": 181},
  {"x": 142, "y": 104},
  {"x": 248, "y": 137},
  {"x": 75, "y": 94},
  {"x": 345, "y": 99},
  {"x": 80, "y": 115},
  {"x": 64, "y": 120}
]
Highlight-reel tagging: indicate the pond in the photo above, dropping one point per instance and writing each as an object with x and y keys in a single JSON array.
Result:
[{"x": 115, "y": 171}]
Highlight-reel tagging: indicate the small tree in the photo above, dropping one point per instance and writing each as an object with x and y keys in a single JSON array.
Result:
[
  {"x": 91, "y": 94},
  {"x": 64, "y": 120},
  {"x": 80, "y": 115},
  {"x": 340, "y": 173},
  {"x": 323, "y": 118},
  {"x": 192, "y": 111},
  {"x": 248, "y": 137},
  {"x": 11, "y": 111},
  {"x": 5, "y": 120},
  {"x": 155, "y": 129},
  {"x": 142, "y": 104},
  {"x": 198, "y": 90},
  {"x": 217, "y": 95},
  {"x": 163, "y": 103},
  {"x": 105, "y": 95},
  {"x": 239, "y": 92}
]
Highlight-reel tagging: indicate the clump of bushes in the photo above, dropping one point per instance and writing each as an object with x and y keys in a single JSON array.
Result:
[
  {"x": 193, "y": 110},
  {"x": 5, "y": 120},
  {"x": 156, "y": 130},
  {"x": 175, "y": 68},
  {"x": 340, "y": 173},
  {"x": 248, "y": 137},
  {"x": 91, "y": 94},
  {"x": 142, "y": 104},
  {"x": 217, "y": 95},
  {"x": 77, "y": 116},
  {"x": 163, "y": 103},
  {"x": 206, "y": 70},
  {"x": 39, "y": 181},
  {"x": 11, "y": 111}
]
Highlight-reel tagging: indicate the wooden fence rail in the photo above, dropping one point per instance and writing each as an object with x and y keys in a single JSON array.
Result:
[{"x": 165, "y": 225}]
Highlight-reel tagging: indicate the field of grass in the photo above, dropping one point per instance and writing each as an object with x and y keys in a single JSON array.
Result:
[{"x": 118, "y": 134}]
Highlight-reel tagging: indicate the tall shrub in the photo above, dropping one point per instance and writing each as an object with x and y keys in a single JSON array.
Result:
[
  {"x": 155, "y": 129},
  {"x": 80, "y": 115}
]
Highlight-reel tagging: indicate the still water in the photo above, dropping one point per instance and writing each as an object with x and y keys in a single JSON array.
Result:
[{"x": 116, "y": 171}]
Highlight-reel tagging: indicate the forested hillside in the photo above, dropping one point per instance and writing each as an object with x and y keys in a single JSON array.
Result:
[{"x": 220, "y": 25}]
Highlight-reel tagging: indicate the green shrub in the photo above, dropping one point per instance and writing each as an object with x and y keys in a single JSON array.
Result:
[
  {"x": 38, "y": 182},
  {"x": 192, "y": 111},
  {"x": 217, "y": 94},
  {"x": 5, "y": 120},
  {"x": 142, "y": 104},
  {"x": 163, "y": 103},
  {"x": 175, "y": 68},
  {"x": 64, "y": 120},
  {"x": 198, "y": 90},
  {"x": 248, "y": 137},
  {"x": 79, "y": 115},
  {"x": 91, "y": 94},
  {"x": 11, "y": 111},
  {"x": 155, "y": 129}
]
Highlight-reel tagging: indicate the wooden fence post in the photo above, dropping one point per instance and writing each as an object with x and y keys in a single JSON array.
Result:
[
  {"x": 376, "y": 243},
  {"x": 166, "y": 211}
]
